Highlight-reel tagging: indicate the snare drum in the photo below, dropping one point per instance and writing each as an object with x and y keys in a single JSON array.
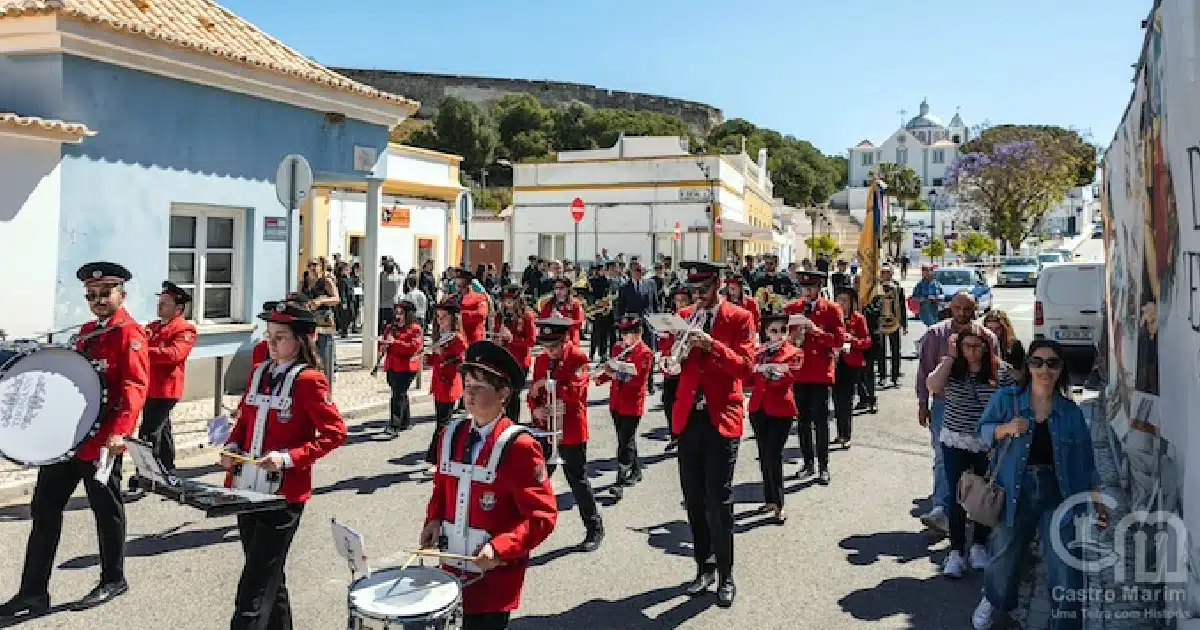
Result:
[
  {"x": 51, "y": 399},
  {"x": 415, "y": 598}
]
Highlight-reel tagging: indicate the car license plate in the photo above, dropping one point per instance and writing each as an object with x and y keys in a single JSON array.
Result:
[{"x": 1073, "y": 335}]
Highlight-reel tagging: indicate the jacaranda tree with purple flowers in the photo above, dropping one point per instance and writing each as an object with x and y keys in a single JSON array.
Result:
[{"x": 1014, "y": 174}]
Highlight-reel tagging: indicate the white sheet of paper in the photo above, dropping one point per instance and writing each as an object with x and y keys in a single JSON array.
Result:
[
  {"x": 623, "y": 367},
  {"x": 781, "y": 367},
  {"x": 147, "y": 466},
  {"x": 666, "y": 322},
  {"x": 104, "y": 466},
  {"x": 351, "y": 546},
  {"x": 219, "y": 430},
  {"x": 846, "y": 347},
  {"x": 358, "y": 290}
]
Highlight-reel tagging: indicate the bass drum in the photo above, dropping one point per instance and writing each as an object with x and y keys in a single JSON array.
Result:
[{"x": 51, "y": 398}]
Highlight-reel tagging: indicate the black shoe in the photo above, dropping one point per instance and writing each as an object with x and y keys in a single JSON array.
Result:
[
  {"x": 102, "y": 594},
  {"x": 823, "y": 478},
  {"x": 704, "y": 581},
  {"x": 25, "y": 605},
  {"x": 895, "y": 382},
  {"x": 635, "y": 478},
  {"x": 862, "y": 405},
  {"x": 391, "y": 432},
  {"x": 618, "y": 490},
  {"x": 807, "y": 471},
  {"x": 592, "y": 541},
  {"x": 672, "y": 444},
  {"x": 726, "y": 592},
  {"x": 133, "y": 494}
]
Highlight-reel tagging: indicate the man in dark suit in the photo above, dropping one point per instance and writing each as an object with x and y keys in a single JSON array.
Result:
[{"x": 639, "y": 296}]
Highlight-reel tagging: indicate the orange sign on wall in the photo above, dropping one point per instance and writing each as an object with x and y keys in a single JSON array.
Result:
[{"x": 396, "y": 216}]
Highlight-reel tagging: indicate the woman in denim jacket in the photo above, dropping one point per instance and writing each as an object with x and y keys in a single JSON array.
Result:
[{"x": 1045, "y": 451}]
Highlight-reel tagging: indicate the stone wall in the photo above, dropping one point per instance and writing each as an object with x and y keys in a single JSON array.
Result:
[{"x": 429, "y": 89}]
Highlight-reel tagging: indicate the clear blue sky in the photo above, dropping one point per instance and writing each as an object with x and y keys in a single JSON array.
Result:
[{"x": 828, "y": 71}]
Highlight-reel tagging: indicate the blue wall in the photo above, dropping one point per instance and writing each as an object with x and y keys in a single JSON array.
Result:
[
  {"x": 31, "y": 85},
  {"x": 161, "y": 142}
]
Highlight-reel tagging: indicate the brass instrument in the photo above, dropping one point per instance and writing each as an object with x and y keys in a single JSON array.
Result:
[
  {"x": 889, "y": 321},
  {"x": 602, "y": 308},
  {"x": 673, "y": 363},
  {"x": 621, "y": 370},
  {"x": 768, "y": 300},
  {"x": 554, "y": 416}
]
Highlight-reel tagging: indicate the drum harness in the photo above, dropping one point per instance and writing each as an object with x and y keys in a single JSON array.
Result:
[{"x": 254, "y": 477}]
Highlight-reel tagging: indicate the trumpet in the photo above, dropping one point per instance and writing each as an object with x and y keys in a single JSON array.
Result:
[
  {"x": 553, "y": 430},
  {"x": 621, "y": 370},
  {"x": 673, "y": 363}
]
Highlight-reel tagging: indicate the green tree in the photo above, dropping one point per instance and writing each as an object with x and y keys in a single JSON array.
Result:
[
  {"x": 524, "y": 126},
  {"x": 903, "y": 185},
  {"x": 603, "y": 126},
  {"x": 893, "y": 235},
  {"x": 569, "y": 127},
  {"x": 465, "y": 129},
  {"x": 1015, "y": 174},
  {"x": 823, "y": 244},
  {"x": 974, "y": 245},
  {"x": 839, "y": 170},
  {"x": 935, "y": 249},
  {"x": 803, "y": 176}
]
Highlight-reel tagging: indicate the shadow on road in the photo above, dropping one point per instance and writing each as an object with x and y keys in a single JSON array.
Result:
[
  {"x": 54, "y": 610},
  {"x": 903, "y": 547},
  {"x": 629, "y": 612},
  {"x": 163, "y": 542},
  {"x": 934, "y": 602}
]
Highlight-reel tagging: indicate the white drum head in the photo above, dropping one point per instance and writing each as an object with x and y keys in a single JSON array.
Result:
[
  {"x": 400, "y": 593},
  {"x": 49, "y": 402}
]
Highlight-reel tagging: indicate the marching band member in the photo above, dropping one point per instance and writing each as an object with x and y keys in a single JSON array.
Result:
[
  {"x": 169, "y": 342},
  {"x": 735, "y": 294},
  {"x": 627, "y": 398},
  {"x": 119, "y": 343},
  {"x": 773, "y": 407},
  {"x": 818, "y": 336},
  {"x": 708, "y": 417},
  {"x": 567, "y": 365},
  {"x": 851, "y": 362},
  {"x": 444, "y": 357},
  {"x": 561, "y": 303},
  {"x": 666, "y": 342},
  {"x": 289, "y": 423},
  {"x": 403, "y": 340},
  {"x": 260, "y": 352},
  {"x": 473, "y": 307},
  {"x": 517, "y": 333},
  {"x": 893, "y": 323},
  {"x": 506, "y": 518}
]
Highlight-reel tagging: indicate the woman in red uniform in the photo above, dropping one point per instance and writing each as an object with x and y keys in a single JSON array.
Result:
[
  {"x": 627, "y": 398},
  {"x": 443, "y": 359},
  {"x": 516, "y": 331},
  {"x": 282, "y": 443},
  {"x": 404, "y": 341},
  {"x": 260, "y": 353},
  {"x": 773, "y": 407},
  {"x": 735, "y": 294},
  {"x": 666, "y": 343},
  {"x": 851, "y": 362}
]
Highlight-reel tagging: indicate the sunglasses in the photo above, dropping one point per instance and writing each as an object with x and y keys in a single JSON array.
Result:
[
  {"x": 1051, "y": 363},
  {"x": 95, "y": 296}
]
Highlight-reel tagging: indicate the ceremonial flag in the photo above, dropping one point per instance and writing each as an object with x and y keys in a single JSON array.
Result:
[{"x": 869, "y": 241}]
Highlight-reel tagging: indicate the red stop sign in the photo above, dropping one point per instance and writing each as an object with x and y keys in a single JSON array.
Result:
[
  {"x": 678, "y": 232},
  {"x": 577, "y": 209}
]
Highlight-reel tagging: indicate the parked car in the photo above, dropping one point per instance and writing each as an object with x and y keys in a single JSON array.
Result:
[
  {"x": 1018, "y": 271},
  {"x": 1050, "y": 258},
  {"x": 1067, "y": 307},
  {"x": 963, "y": 279}
]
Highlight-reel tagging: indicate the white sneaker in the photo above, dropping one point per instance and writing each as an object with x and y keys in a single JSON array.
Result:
[
  {"x": 979, "y": 557},
  {"x": 954, "y": 565},
  {"x": 981, "y": 619},
  {"x": 936, "y": 519}
]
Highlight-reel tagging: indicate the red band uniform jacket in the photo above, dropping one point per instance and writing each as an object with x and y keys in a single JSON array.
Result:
[
  {"x": 629, "y": 398},
  {"x": 819, "y": 342},
  {"x": 571, "y": 385},
  {"x": 311, "y": 430},
  {"x": 751, "y": 306},
  {"x": 260, "y": 353},
  {"x": 404, "y": 351},
  {"x": 719, "y": 373},
  {"x": 859, "y": 337},
  {"x": 524, "y": 337},
  {"x": 775, "y": 397},
  {"x": 474, "y": 315},
  {"x": 518, "y": 510},
  {"x": 447, "y": 386},
  {"x": 170, "y": 343},
  {"x": 123, "y": 353},
  {"x": 572, "y": 310}
]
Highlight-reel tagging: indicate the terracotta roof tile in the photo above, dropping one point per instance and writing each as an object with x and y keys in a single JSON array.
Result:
[
  {"x": 202, "y": 26},
  {"x": 15, "y": 121},
  {"x": 865, "y": 144}
]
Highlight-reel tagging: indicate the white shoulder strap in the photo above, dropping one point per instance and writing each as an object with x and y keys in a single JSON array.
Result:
[
  {"x": 256, "y": 381},
  {"x": 284, "y": 399},
  {"x": 502, "y": 442},
  {"x": 447, "y": 442}
]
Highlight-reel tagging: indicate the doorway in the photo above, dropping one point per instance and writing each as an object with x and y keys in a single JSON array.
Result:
[
  {"x": 426, "y": 248},
  {"x": 355, "y": 244}
]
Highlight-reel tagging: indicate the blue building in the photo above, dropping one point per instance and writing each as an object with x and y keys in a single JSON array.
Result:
[{"x": 148, "y": 132}]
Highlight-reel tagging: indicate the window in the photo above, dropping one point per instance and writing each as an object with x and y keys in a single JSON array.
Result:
[
  {"x": 867, "y": 159},
  {"x": 902, "y": 156},
  {"x": 205, "y": 258},
  {"x": 552, "y": 246},
  {"x": 939, "y": 156},
  {"x": 937, "y": 181}
]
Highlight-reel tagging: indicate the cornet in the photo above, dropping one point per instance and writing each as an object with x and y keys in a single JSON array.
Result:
[{"x": 673, "y": 363}]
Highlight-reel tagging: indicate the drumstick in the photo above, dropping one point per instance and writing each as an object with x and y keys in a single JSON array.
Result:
[
  {"x": 239, "y": 457},
  {"x": 435, "y": 553}
]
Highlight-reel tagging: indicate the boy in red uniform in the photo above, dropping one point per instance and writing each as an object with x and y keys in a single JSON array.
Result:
[
  {"x": 495, "y": 469},
  {"x": 627, "y": 397},
  {"x": 567, "y": 366},
  {"x": 402, "y": 342},
  {"x": 851, "y": 362},
  {"x": 820, "y": 332},
  {"x": 471, "y": 305},
  {"x": 169, "y": 342},
  {"x": 773, "y": 407}
]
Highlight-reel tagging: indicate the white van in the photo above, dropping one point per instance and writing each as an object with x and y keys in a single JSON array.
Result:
[{"x": 1067, "y": 306}]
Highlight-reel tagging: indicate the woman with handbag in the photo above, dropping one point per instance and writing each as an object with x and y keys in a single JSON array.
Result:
[
  {"x": 1049, "y": 461},
  {"x": 967, "y": 378}
]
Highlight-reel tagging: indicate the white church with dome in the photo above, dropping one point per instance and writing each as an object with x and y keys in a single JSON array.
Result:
[{"x": 925, "y": 144}]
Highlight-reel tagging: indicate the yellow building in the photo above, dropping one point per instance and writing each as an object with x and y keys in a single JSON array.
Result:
[{"x": 757, "y": 207}]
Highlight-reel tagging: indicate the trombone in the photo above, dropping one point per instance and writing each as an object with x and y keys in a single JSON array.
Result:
[{"x": 553, "y": 430}]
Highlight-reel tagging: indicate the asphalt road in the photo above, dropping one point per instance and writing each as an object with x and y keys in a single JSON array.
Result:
[{"x": 852, "y": 554}]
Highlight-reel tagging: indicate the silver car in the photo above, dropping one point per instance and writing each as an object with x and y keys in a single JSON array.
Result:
[{"x": 1018, "y": 271}]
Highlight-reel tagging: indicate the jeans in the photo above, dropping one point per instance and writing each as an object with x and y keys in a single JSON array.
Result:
[
  {"x": 943, "y": 494},
  {"x": 928, "y": 311},
  {"x": 959, "y": 461},
  {"x": 325, "y": 350},
  {"x": 1039, "y": 497}
]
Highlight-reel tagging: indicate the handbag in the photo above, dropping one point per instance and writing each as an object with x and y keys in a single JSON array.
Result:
[{"x": 981, "y": 497}]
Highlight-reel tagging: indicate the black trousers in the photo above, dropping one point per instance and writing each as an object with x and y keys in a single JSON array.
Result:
[
  {"x": 401, "y": 412},
  {"x": 846, "y": 379},
  {"x": 55, "y": 484},
  {"x": 386, "y": 315},
  {"x": 441, "y": 413},
  {"x": 627, "y": 455},
  {"x": 602, "y": 332},
  {"x": 892, "y": 343},
  {"x": 670, "y": 386},
  {"x": 156, "y": 429},
  {"x": 486, "y": 621},
  {"x": 706, "y": 463},
  {"x": 771, "y": 434},
  {"x": 812, "y": 402},
  {"x": 866, "y": 376},
  {"x": 651, "y": 340},
  {"x": 575, "y": 469},
  {"x": 262, "y": 600}
]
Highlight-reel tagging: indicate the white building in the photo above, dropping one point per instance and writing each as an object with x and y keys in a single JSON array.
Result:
[
  {"x": 636, "y": 194},
  {"x": 1075, "y": 213}
]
